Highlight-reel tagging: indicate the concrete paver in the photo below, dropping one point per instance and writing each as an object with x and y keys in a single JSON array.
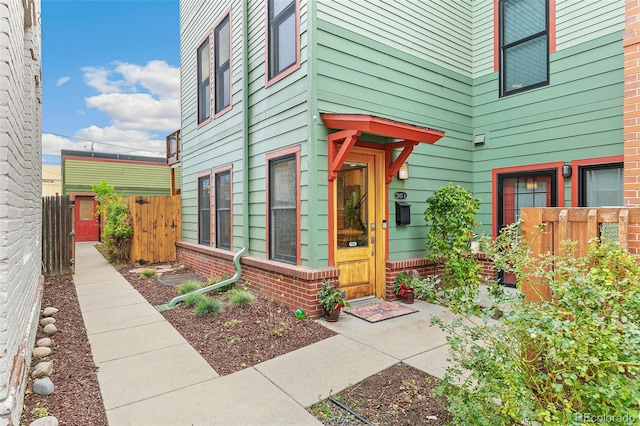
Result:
[{"x": 149, "y": 374}]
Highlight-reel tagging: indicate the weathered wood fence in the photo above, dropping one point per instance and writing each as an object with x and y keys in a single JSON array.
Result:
[
  {"x": 156, "y": 228},
  {"x": 545, "y": 229},
  {"x": 57, "y": 237}
]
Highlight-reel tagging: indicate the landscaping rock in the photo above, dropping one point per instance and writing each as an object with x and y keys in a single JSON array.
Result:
[
  {"x": 45, "y": 341},
  {"x": 49, "y": 329},
  {"x": 47, "y": 320},
  {"x": 45, "y": 421},
  {"x": 49, "y": 311},
  {"x": 41, "y": 352},
  {"x": 43, "y": 386},
  {"x": 42, "y": 369}
]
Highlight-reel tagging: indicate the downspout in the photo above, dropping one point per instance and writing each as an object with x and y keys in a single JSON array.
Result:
[
  {"x": 245, "y": 125},
  {"x": 236, "y": 263},
  {"x": 245, "y": 172}
]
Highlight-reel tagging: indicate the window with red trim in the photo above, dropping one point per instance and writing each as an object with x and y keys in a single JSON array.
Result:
[
  {"x": 283, "y": 213},
  {"x": 222, "y": 69},
  {"x": 204, "y": 210},
  {"x": 282, "y": 36},
  {"x": 223, "y": 209},
  {"x": 524, "y": 45},
  {"x": 600, "y": 185},
  {"x": 204, "y": 92}
]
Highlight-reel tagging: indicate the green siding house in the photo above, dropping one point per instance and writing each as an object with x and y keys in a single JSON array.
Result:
[{"x": 313, "y": 131}]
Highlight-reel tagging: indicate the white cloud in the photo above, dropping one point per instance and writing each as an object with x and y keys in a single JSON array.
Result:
[
  {"x": 142, "y": 103},
  {"x": 157, "y": 77},
  {"x": 98, "y": 78},
  {"x": 138, "y": 111},
  {"x": 62, "y": 80}
]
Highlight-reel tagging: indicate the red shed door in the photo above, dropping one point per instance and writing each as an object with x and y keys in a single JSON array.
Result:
[{"x": 86, "y": 220}]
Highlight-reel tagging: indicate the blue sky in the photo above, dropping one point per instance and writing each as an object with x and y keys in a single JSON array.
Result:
[{"x": 110, "y": 74}]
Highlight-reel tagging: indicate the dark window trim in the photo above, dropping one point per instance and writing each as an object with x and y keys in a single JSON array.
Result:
[
  {"x": 273, "y": 71},
  {"x": 581, "y": 175},
  {"x": 552, "y": 173},
  {"x": 223, "y": 244},
  {"x": 503, "y": 48},
  {"x": 205, "y": 86},
  {"x": 201, "y": 238},
  {"x": 274, "y": 158},
  {"x": 219, "y": 69}
]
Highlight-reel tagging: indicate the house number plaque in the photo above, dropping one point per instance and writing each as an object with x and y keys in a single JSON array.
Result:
[{"x": 400, "y": 195}]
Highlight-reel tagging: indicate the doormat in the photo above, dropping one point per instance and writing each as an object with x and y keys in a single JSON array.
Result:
[
  {"x": 381, "y": 311},
  {"x": 176, "y": 280}
]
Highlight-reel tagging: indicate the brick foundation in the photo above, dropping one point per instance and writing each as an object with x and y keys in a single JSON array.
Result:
[{"x": 293, "y": 286}]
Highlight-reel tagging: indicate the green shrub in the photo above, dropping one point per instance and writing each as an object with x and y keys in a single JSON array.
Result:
[
  {"x": 207, "y": 306},
  {"x": 118, "y": 228},
  {"x": 240, "y": 297},
  {"x": 451, "y": 216},
  {"x": 148, "y": 273},
  {"x": 192, "y": 299},
  {"x": 219, "y": 279},
  {"x": 553, "y": 362},
  {"x": 189, "y": 286}
]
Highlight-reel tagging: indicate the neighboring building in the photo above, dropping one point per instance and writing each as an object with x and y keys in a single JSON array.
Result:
[
  {"x": 51, "y": 180},
  {"x": 131, "y": 175},
  {"x": 21, "y": 281},
  {"x": 298, "y": 115}
]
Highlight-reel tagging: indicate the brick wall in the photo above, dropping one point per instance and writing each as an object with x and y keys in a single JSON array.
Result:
[
  {"x": 631, "y": 115},
  {"x": 20, "y": 198},
  {"x": 293, "y": 286}
]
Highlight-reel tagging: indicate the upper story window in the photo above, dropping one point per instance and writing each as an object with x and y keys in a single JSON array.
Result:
[
  {"x": 524, "y": 45},
  {"x": 173, "y": 148},
  {"x": 222, "y": 55},
  {"x": 223, "y": 209},
  {"x": 204, "y": 93},
  {"x": 282, "y": 36}
]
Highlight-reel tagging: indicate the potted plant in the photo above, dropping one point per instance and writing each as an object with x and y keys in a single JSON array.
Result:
[
  {"x": 403, "y": 286},
  {"x": 332, "y": 300}
]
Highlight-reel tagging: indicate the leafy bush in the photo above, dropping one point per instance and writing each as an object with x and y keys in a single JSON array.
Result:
[
  {"x": 207, "y": 306},
  {"x": 451, "y": 217},
  {"x": 118, "y": 229},
  {"x": 559, "y": 362},
  {"x": 189, "y": 286},
  {"x": 240, "y": 297}
]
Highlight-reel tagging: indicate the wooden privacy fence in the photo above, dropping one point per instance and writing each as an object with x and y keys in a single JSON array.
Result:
[
  {"x": 579, "y": 224},
  {"x": 156, "y": 228},
  {"x": 57, "y": 236}
]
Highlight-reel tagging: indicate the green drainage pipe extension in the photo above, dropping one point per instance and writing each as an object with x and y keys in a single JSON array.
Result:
[{"x": 236, "y": 263}]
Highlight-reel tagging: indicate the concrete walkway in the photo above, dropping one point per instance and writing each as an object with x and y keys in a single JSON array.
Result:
[{"x": 150, "y": 375}]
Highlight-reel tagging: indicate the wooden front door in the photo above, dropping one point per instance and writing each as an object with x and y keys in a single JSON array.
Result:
[
  {"x": 358, "y": 235},
  {"x": 87, "y": 228}
]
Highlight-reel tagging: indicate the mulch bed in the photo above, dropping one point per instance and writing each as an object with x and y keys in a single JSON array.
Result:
[
  {"x": 233, "y": 340},
  {"x": 76, "y": 399}
]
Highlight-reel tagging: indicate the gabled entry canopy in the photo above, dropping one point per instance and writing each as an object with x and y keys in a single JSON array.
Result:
[{"x": 351, "y": 126}]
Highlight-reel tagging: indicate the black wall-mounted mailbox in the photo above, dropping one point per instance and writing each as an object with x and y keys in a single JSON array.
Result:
[{"x": 403, "y": 213}]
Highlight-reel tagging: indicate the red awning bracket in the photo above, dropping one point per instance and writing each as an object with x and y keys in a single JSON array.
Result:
[
  {"x": 336, "y": 158},
  {"x": 394, "y": 165}
]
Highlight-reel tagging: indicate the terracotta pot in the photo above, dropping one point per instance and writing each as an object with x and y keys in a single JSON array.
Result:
[
  {"x": 408, "y": 296},
  {"x": 332, "y": 316}
]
